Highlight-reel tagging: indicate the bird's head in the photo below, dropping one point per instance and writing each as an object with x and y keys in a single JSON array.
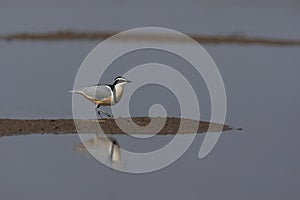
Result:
[{"x": 121, "y": 81}]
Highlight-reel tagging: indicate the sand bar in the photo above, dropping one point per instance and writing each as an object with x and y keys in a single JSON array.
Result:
[{"x": 9, "y": 127}]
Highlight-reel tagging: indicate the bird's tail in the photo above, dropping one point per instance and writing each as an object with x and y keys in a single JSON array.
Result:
[{"x": 76, "y": 91}]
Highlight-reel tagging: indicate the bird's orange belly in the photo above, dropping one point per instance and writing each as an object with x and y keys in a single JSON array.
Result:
[{"x": 103, "y": 102}]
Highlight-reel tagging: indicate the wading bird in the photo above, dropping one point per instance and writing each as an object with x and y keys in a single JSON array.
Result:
[{"x": 104, "y": 95}]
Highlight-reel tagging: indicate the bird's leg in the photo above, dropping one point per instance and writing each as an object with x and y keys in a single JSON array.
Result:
[
  {"x": 99, "y": 111},
  {"x": 97, "y": 107},
  {"x": 108, "y": 115}
]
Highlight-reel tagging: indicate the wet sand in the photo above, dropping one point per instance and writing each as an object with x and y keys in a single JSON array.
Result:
[
  {"x": 203, "y": 39},
  {"x": 10, "y": 127}
]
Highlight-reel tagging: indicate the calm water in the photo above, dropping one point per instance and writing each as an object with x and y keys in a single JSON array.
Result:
[{"x": 262, "y": 86}]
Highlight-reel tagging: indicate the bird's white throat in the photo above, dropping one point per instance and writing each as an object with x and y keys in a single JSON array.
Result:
[{"x": 119, "y": 91}]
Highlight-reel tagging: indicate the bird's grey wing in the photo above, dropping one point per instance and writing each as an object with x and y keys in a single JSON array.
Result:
[{"x": 97, "y": 92}]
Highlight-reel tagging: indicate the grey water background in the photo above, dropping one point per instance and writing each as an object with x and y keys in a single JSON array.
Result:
[{"x": 262, "y": 85}]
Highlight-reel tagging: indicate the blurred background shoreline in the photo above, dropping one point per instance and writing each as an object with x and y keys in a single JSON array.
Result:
[{"x": 202, "y": 39}]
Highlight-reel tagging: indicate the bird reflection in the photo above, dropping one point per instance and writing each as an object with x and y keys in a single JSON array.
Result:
[{"x": 103, "y": 148}]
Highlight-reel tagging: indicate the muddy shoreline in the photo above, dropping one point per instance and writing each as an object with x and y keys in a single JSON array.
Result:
[{"x": 11, "y": 127}]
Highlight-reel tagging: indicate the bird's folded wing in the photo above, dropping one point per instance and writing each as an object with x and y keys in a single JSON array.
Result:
[{"x": 98, "y": 92}]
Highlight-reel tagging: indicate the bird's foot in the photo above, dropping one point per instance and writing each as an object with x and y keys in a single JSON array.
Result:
[
  {"x": 99, "y": 111},
  {"x": 98, "y": 120},
  {"x": 108, "y": 115}
]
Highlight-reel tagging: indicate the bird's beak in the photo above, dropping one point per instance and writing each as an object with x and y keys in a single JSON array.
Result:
[{"x": 128, "y": 81}]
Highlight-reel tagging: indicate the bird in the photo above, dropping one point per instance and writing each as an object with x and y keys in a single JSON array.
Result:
[{"x": 104, "y": 94}]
